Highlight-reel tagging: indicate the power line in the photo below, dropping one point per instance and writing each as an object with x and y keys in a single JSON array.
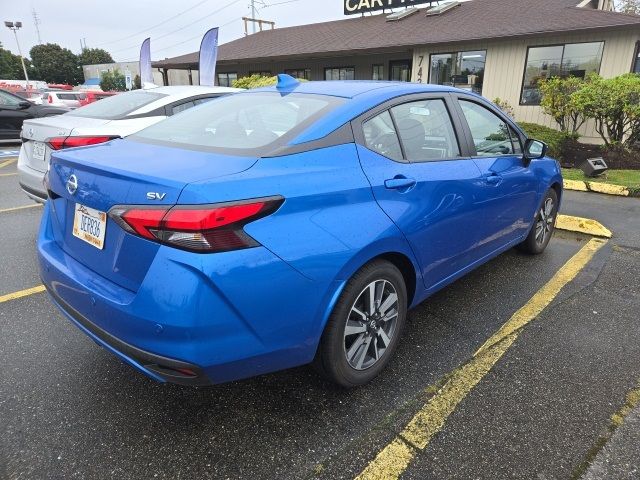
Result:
[{"x": 186, "y": 26}]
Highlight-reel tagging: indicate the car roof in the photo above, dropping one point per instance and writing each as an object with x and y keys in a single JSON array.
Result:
[{"x": 189, "y": 90}]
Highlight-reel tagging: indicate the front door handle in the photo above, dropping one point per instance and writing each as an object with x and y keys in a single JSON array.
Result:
[{"x": 399, "y": 183}]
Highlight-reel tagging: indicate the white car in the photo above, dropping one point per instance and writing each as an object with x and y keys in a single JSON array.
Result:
[
  {"x": 62, "y": 98},
  {"x": 113, "y": 117}
]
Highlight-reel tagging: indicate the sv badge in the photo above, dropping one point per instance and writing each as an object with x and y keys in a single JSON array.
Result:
[{"x": 155, "y": 196}]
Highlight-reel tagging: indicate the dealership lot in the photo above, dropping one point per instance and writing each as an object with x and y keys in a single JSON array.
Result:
[{"x": 71, "y": 410}]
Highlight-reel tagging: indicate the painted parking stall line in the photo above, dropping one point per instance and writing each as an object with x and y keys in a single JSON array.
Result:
[
  {"x": 22, "y": 293},
  {"x": 23, "y": 207},
  {"x": 396, "y": 457},
  {"x": 7, "y": 162}
]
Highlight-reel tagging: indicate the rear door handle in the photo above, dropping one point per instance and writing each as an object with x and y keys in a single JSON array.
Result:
[{"x": 399, "y": 183}]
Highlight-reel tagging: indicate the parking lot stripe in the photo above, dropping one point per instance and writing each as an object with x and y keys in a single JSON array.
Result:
[
  {"x": 8, "y": 174},
  {"x": 396, "y": 457},
  {"x": 7, "y": 162},
  {"x": 13, "y": 209},
  {"x": 21, "y": 293}
]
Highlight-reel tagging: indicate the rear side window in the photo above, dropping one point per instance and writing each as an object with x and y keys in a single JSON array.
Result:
[
  {"x": 380, "y": 136},
  {"x": 491, "y": 135},
  {"x": 426, "y": 131},
  {"x": 245, "y": 123},
  {"x": 117, "y": 106}
]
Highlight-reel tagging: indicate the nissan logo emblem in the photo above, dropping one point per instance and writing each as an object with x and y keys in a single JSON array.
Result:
[{"x": 72, "y": 184}]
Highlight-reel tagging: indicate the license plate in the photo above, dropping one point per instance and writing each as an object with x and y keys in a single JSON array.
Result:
[
  {"x": 38, "y": 151},
  {"x": 90, "y": 225}
]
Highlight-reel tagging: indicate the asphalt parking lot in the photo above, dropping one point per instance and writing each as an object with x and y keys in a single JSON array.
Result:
[{"x": 546, "y": 408}]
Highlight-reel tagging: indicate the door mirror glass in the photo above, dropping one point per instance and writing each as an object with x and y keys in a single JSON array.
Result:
[{"x": 534, "y": 149}]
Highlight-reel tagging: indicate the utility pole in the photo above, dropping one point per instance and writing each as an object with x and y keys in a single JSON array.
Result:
[
  {"x": 253, "y": 14},
  {"x": 15, "y": 26},
  {"x": 36, "y": 22}
]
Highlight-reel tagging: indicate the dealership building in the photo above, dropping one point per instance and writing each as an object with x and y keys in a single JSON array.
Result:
[{"x": 498, "y": 48}]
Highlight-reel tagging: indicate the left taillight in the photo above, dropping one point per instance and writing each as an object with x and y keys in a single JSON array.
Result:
[
  {"x": 58, "y": 143},
  {"x": 198, "y": 228}
]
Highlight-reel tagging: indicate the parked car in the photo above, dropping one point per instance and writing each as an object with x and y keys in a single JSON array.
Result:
[
  {"x": 14, "y": 110},
  {"x": 64, "y": 99},
  {"x": 90, "y": 97},
  {"x": 287, "y": 225},
  {"x": 117, "y": 116}
]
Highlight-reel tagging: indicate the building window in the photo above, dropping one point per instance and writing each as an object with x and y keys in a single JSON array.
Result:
[
  {"x": 400, "y": 70},
  {"x": 339, "y": 73},
  {"x": 635, "y": 68},
  {"x": 377, "y": 72},
  {"x": 570, "y": 60},
  {"x": 226, "y": 79},
  {"x": 262, "y": 73},
  {"x": 459, "y": 69},
  {"x": 304, "y": 73}
]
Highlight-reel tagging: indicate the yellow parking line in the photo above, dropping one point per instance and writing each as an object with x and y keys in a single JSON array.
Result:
[
  {"x": 395, "y": 457},
  {"x": 21, "y": 293},
  {"x": 7, "y": 162},
  {"x": 13, "y": 209},
  {"x": 8, "y": 174}
]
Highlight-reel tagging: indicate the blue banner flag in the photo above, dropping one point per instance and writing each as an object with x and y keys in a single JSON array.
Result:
[
  {"x": 208, "y": 57},
  {"x": 146, "y": 75}
]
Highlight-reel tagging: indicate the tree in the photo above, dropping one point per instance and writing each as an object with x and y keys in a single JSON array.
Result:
[
  {"x": 614, "y": 104},
  {"x": 136, "y": 83},
  {"x": 56, "y": 64},
  {"x": 628, "y": 6},
  {"x": 113, "y": 81},
  {"x": 558, "y": 101},
  {"x": 93, "y": 56},
  {"x": 10, "y": 66}
]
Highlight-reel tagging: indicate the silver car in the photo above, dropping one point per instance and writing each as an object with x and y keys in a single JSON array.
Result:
[{"x": 113, "y": 117}]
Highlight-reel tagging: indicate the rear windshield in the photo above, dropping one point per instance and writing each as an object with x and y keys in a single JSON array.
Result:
[
  {"x": 117, "y": 106},
  {"x": 71, "y": 96},
  {"x": 246, "y": 123}
]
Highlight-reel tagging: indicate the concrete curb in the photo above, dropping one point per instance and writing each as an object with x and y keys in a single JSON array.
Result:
[
  {"x": 582, "y": 225},
  {"x": 598, "y": 187}
]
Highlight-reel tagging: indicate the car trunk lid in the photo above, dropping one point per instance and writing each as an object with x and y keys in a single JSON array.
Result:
[{"x": 124, "y": 172}]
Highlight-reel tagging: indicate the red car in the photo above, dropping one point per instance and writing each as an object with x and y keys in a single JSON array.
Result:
[{"x": 91, "y": 97}]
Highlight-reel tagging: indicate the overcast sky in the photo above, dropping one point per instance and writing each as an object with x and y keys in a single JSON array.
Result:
[{"x": 175, "y": 27}]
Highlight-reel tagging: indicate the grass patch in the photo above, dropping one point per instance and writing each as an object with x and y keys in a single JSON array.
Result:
[{"x": 626, "y": 178}]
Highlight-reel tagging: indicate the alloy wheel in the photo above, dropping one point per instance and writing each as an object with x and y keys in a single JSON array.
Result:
[
  {"x": 544, "y": 225},
  {"x": 371, "y": 324}
]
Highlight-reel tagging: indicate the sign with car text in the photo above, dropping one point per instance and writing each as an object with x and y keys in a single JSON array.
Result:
[{"x": 352, "y": 7}]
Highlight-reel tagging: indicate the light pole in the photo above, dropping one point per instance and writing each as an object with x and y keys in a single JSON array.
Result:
[{"x": 15, "y": 26}]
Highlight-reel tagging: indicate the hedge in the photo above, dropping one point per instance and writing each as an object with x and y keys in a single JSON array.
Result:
[{"x": 552, "y": 137}]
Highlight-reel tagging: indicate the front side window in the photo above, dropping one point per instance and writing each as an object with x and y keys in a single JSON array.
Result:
[
  {"x": 491, "y": 135},
  {"x": 459, "y": 69},
  {"x": 570, "y": 60},
  {"x": 303, "y": 73},
  {"x": 7, "y": 99},
  {"x": 425, "y": 130},
  {"x": 245, "y": 123},
  {"x": 340, "y": 73},
  {"x": 380, "y": 136},
  {"x": 117, "y": 106},
  {"x": 226, "y": 79}
]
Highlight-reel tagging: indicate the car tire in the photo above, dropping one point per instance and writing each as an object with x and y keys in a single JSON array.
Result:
[
  {"x": 543, "y": 225},
  {"x": 358, "y": 342}
]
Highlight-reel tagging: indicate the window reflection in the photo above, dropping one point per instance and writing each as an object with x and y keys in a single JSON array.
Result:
[{"x": 460, "y": 69}]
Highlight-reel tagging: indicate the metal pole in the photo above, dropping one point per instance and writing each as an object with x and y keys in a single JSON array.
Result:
[{"x": 24, "y": 69}]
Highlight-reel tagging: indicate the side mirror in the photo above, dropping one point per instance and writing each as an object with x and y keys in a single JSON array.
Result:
[
  {"x": 24, "y": 104},
  {"x": 534, "y": 149}
]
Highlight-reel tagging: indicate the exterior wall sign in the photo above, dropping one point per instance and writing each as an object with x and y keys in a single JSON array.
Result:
[{"x": 352, "y": 7}]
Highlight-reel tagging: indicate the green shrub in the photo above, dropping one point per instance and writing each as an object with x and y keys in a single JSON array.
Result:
[
  {"x": 558, "y": 101},
  {"x": 257, "y": 81},
  {"x": 552, "y": 137},
  {"x": 113, "y": 82},
  {"x": 504, "y": 106}
]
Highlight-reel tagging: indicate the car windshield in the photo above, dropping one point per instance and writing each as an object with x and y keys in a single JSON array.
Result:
[
  {"x": 245, "y": 123},
  {"x": 117, "y": 106}
]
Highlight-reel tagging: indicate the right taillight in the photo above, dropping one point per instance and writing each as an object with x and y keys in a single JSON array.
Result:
[{"x": 198, "y": 228}]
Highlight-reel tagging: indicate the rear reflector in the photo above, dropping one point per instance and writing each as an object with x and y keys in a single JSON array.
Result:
[
  {"x": 58, "y": 143},
  {"x": 198, "y": 228}
]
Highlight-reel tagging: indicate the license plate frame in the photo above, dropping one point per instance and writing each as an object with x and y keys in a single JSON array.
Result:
[{"x": 89, "y": 225}]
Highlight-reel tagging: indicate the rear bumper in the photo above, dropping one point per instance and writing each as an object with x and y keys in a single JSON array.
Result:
[
  {"x": 30, "y": 179},
  {"x": 225, "y": 316}
]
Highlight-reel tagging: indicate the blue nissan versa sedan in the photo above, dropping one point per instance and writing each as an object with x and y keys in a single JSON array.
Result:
[{"x": 287, "y": 225}]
